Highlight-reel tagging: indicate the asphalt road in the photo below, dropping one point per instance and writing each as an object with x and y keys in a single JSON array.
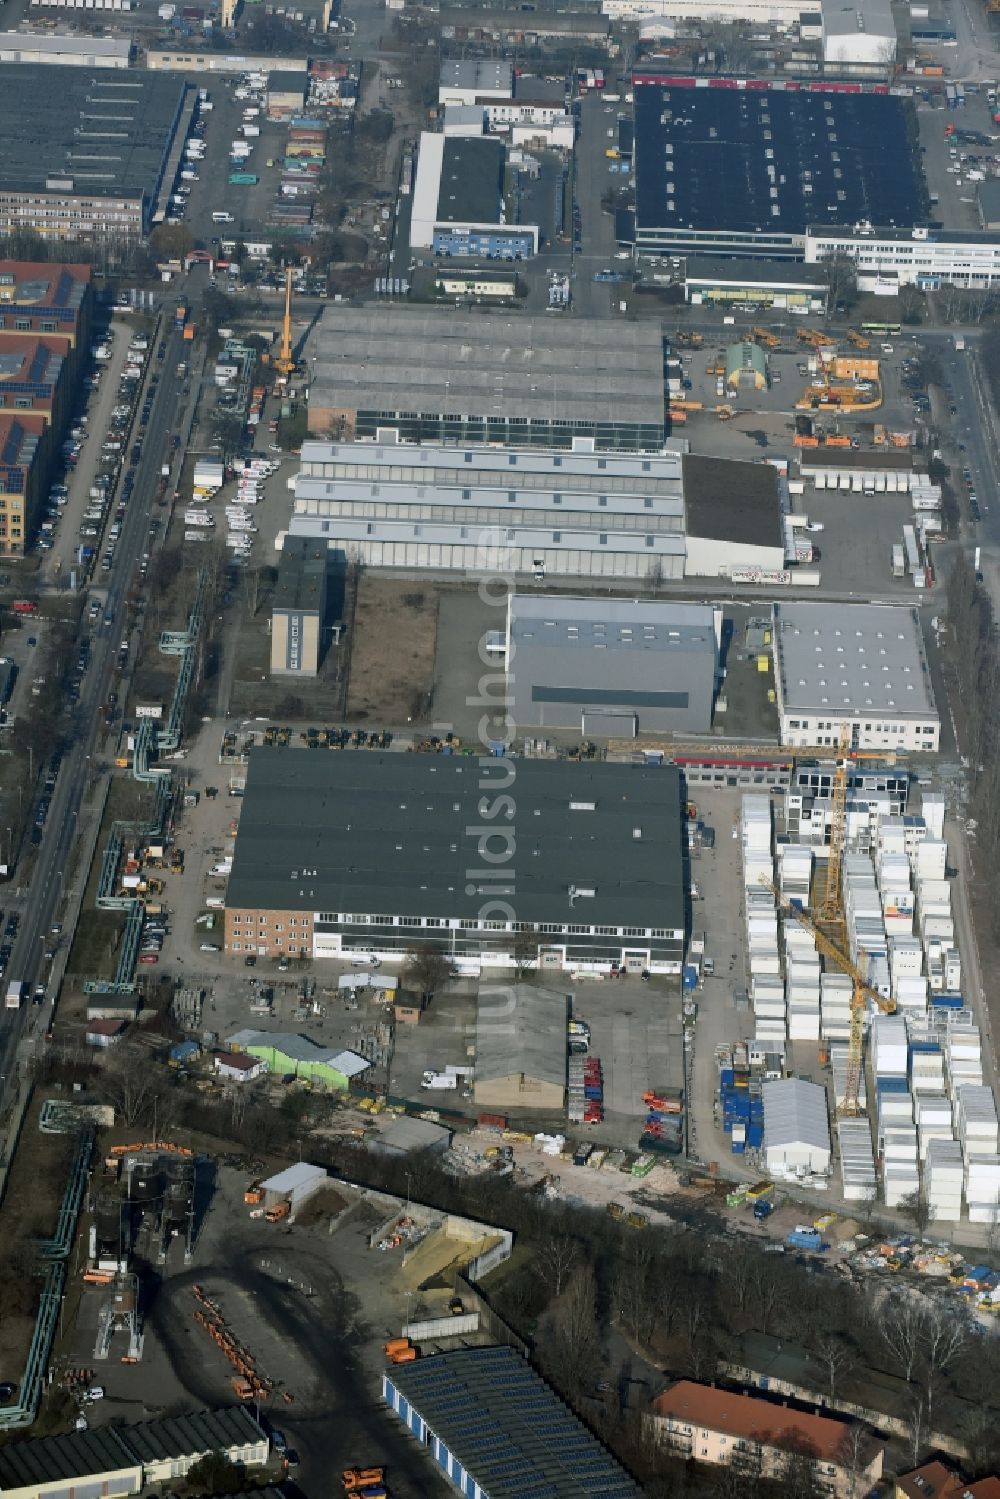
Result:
[{"x": 39, "y": 903}]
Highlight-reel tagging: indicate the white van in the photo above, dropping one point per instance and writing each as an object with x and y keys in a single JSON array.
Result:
[{"x": 221, "y": 217}]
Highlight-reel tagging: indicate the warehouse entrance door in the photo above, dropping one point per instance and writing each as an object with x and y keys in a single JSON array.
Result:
[
  {"x": 635, "y": 962},
  {"x": 550, "y": 957},
  {"x": 605, "y": 724}
]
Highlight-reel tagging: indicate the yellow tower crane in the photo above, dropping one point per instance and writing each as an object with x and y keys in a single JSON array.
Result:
[
  {"x": 861, "y": 993},
  {"x": 285, "y": 361}
]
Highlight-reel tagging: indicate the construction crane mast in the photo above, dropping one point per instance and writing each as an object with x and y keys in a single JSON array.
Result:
[
  {"x": 285, "y": 362},
  {"x": 861, "y": 993}
]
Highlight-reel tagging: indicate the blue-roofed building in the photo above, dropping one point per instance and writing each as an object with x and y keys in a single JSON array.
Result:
[{"x": 496, "y": 1429}]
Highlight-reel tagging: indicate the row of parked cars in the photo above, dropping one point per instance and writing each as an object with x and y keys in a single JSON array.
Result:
[
  {"x": 117, "y": 450},
  {"x": 154, "y": 933},
  {"x": 194, "y": 154}
]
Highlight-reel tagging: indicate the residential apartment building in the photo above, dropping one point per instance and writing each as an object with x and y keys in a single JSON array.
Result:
[
  {"x": 929, "y": 258},
  {"x": 25, "y": 446},
  {"x": 46, "y": 297},
  {"x": 720, "y": 1427}
]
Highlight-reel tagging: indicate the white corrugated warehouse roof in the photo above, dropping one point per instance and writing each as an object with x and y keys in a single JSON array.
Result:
[
  {"x": 795, "y": 1113},
  {"x": 294, "y": 1178}
]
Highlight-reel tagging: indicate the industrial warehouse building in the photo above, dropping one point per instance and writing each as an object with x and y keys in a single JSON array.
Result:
[
  {"x": 123, "y": 1460},
  {"x": 468, "y": 80},
  {"x": 796, "y": 1127},
  {"x": 611, "y": 668},
  {"x": 859, "y": 666},
  {"x": 443, "y": 376},
  {"x": 363, "y": 853},
  {"x": 298, "y": 609},
  {"x": 579, "y": 514},
  {"x": 496, "y": 1429},
  {"x": 92, "y": 169},
  {"x": 746, "y": 171},
  {"x": 458, "y": 200},
  {"x": 776, "y": 286},
  {"x": 521, "y": 1048},
  {"x": 64, "y": 50}
]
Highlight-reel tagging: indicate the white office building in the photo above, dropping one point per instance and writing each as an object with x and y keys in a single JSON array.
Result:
[
  {"x": 887, "y": 259},
  {"x": 762, "y": 12},
  {"x": 862, "y": 665}
]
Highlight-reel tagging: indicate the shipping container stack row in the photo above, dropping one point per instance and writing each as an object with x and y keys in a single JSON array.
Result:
[
  {"x": 936, "y": 1124},
  {"x": 585, "y": 1097},
  {"x": 301, "y": 170},
  {"x": 766, "y": 985},
  {"x": 742, "y": 1107}
]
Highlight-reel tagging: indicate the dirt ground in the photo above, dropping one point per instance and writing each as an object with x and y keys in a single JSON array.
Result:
[
  {"x": 31, "y": 1203},
  {"x": 392, "y": 657}
]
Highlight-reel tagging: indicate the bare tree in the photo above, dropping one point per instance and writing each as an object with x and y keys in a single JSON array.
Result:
[
  {"x": 556, "y": 1258},
  {"x": 916, "y": 1427},
  {"x": 428, "y": 968},
  {"x": 836, "y": 1359},
  {"x": 943, "y": 1336},
  {"x": 917, "y": 1209},
  {"x": 767, "y": 1290},
  {"x": 630, "y": 1297},
  {"x": 898, "y": 1322},
  {"x": 129, "y": 1085}
]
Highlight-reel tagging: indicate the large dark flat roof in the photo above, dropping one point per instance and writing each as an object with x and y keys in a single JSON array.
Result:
[
  {"x": 509, "y": 1430},
  {"x": 362, "y": 831},
  {"x": 42, "y": 1460},
  {"x": 769, "y": 272},
  {"x": 471, "y": 181},
  {"x": 732, "y": 501},
  {"x": 106, "y": 130},
  {"x": 753, "y": 161}
]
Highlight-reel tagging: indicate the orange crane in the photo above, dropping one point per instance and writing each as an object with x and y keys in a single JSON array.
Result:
[
  {"x": 858, "y": 339},
  {"x": 763, "y": 337},
  {"x": 861, "y": 993}
]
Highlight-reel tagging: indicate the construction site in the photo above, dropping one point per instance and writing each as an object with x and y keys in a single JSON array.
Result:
[{"x": 813, "y": 378}]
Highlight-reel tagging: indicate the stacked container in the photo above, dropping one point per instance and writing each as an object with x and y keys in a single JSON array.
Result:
[
  {"x": 585, "y": 1090},
  {"x": 835, "y": 990},
  {"x": 943, "y": 1180},
  {"x": 926, "y": 1067},
  {"x": 802, "y": 983},
  {"x": 795, "y": 873},
  {"x": 755, "y": 833},
  {"x": 934, "y": 1121},
  {"x": 982, "y": 1188},
  {"x": 976, "y": 1119},
  {"x": 963, "y": 1057},
  {"x": 900, "y": 1173},
  {"x": 890, "y": 1047},
  {"x": 857, "y": 1162}
]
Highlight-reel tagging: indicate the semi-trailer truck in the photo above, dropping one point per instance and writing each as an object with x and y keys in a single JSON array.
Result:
[{"x": 16, "y": 991}]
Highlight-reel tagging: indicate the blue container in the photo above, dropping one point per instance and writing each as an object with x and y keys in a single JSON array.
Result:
[
  {"x": 947, "y": 1002},
  {"x": 727, "y": 1125},
  {"x": 739, "y": 1147},
  {"x": 885, "y": 1083},
  {"x": 726, "y": 1077},
  {"x": 924, "y": 1047},
  {"x": 690, "y": 976},
  {"x": 755, "y": 1135}
]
